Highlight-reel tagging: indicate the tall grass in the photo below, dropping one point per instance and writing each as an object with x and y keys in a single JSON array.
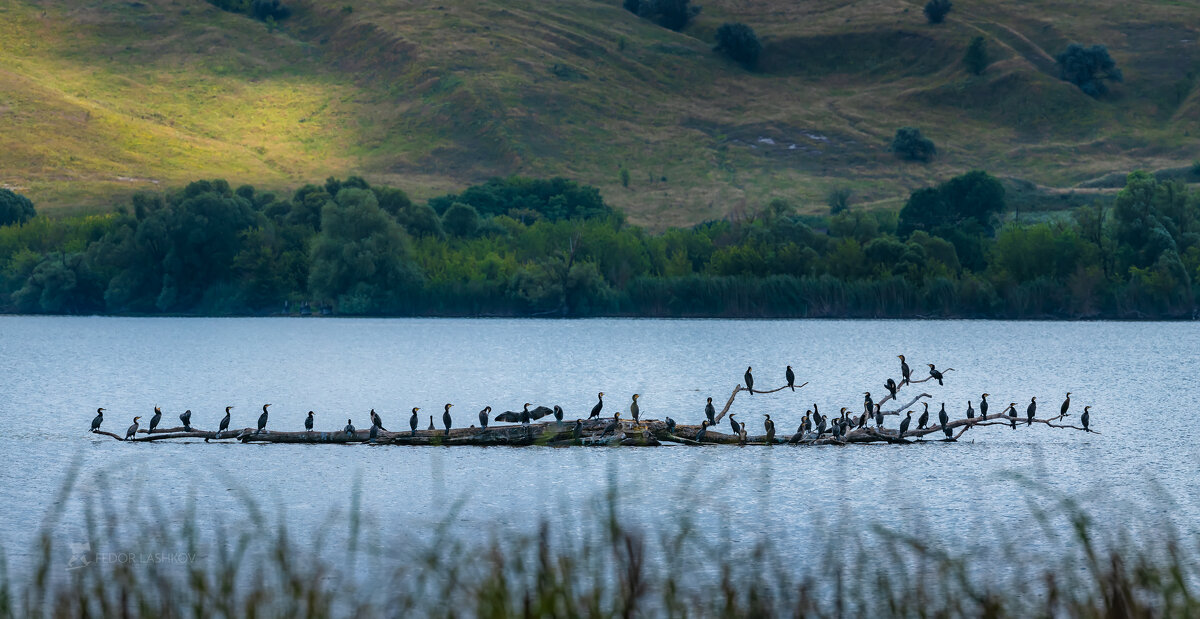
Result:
[{"x": 252, "y": 566}]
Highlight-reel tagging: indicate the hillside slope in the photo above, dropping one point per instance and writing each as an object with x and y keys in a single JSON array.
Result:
[{"x": 100, "y": 97}]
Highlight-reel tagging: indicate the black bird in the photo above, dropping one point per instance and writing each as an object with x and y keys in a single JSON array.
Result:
[
  {"x": 943, "y": 418},
  {"x": 1085, "y": 418},
  {"x": 377, "y": 420},
  {"x": 970, "y": 410},
  {"x": 1012, "y": 414},
  {"x": 308, "y": 422},
  {"x": 1030, "y": 411},
  {"x": 186, "y": 418},
  {"x": 374, "y": 433},
  {"x": 224, "y": 422},
  {"x": 262, "y": 419},
  {"x": 862, "y": 419},
  {"x": 890, "y": 385},
  {"x": 836, "y": 430},
  {"x": 702, "y": 431},
  {"x": 1062, "y": 411},
  {"x": 412, "y": 421},
  {"x": 670, "y": 425},
  {"x": 798, "y": 436},
  {"x": 923, "y": 420},
  {"x": 350, "y": 431},
  {"x": 710, "y": 412},
  {"x": 821, "y": 425},
  {"x": 904, "y": 425},
  {"x": 750, "y": 380},
  {"x": 816, "y": 411},
  {"x": 948, "y": 432},
  {"x": 577, "y": 431},
  {"x": 157, "y": 417},
  {"x": 905, "y": 372},
  {"x": 132, "y": 429},
  {"x": 734, "y": 425},
  {"x": 634, "y": 409},
  {"x": 98, "y": 419},
  {"x": 806, "y": 424},
  {"x": 483, "y": 416},
  {"x": 558, "y": 414},
  {"x": 770, "y": 427},
  {"x": 446, "y": 418},
  {"x": 612, "y": 426},
  {"x": 868, "y": 403},
  {"x": 598, "y": 407},
  {"x": 935, "y": 373},
  {"x": 791, "y": 378},
  {"x": 983, "y": 405},
  {"x": 878, "y": 415},
  {"x": 431, "y": 426},
  {"x": 524, "y": 417}
]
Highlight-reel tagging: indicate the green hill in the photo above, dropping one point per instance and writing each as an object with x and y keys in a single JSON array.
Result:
[{"x": 100, "y": 97}]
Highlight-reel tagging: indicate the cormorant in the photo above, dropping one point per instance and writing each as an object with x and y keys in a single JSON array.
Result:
[
  {"x": 904, "y": 425},
  {"x": 374, "y": 433},
  {"x": 308, "y": 422},
  {"x": 98, "y": 419},
  {"x": 905, "y": 372},
  {"x": 224, "y": 422},
  {"x": 923, "y": 420},
  {"x": 483, "y": 416},
  {"x": 862, "y": 419},
  {"x": 821, "y": 425},
  {"x": 702, "y": 431},
  {"x": 878, "y": 415},
  {"x": 350, "y": 431},
  {"x": 791, "y": 378},
  {"x": 798, "y": 436},
  {"x": 868, "y": 403},
  {"x": 431, "y": 426},
  {"x": 377, "y": 420},
  {"x": 634, "y": 410},
  {"x": 157, "y": 417},
  {"x": 806, "y": 423},
  {"x": 970, "y": 410},
  {"x": 890, "y": 385},
  {"x": 710, "y": 412},
  {"x": 1030, "y": 411},
  {"x": 186, "y": 418},
  {"x": 983, "y": 405},
  {"x": 412, "y": 421},
  {"x": 132, "y": 429},
  {"x": 948, "y": 432},
  {"x": 524, "y": 417},
  {"x": 770, "y": 426},
  {"x": 1062, "y": 411},
  {"x": 598, "y": 407},
  {"x": 446, "y": 417},
  {"x": 750, "y": 380},
  {"x": 734, "y": 425},
  {"x": 612, "y": 426},
  {"x": 1012, "y": 414},
  {"x": 670, "y": 425},
  {"x": 836, "y": 430},
  {"x": 558, "y": 414},
  {"x": 935, "y": 373},
  {"x": 1085, "y": 418},
  {"x": 943, "y": 418},
  {"x": 577, "y": 431},
  {"x": 262, "y": 419}
]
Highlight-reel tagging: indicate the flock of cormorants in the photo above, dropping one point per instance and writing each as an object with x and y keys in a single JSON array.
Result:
[{"x": 813, "y": 425}]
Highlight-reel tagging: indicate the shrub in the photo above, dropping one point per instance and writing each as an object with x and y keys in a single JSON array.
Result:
[
  {"x": 936, "y": 10},
  {"x": 838, "y": 200},
  {"x": 911, "y": 145},
  {"x": 1088, "y": 68},
  {"x": 15, "y": 208},
  {"x": 461, "y": 220},
  {"x": 673, "y": 14},
  {"x": 739, "y": 42},
  {"x": 976, "y": 59}
]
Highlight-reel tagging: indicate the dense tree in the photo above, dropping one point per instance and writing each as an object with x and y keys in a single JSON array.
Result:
[
  {"x": 673, "y": 14},
  {"x": 461, "y": 220},
  {"x": 936, "y": 10},
  {"x": 910, "y": 144},
  {"x": 976, "y": 59},
  {"x": 1088, "y": 68},
  {"x": 739, "y": 42},
  {"x": 15, "y": 208}
]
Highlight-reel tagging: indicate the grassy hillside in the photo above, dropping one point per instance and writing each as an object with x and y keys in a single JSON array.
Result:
[{"x": 100, "y": 97}]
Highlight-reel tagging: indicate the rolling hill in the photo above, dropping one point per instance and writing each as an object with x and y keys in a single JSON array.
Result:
[{"x": 99, "y": 98}]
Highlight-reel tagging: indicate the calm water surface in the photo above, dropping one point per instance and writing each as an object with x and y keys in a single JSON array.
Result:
[{"x": 1140, "y": 378}]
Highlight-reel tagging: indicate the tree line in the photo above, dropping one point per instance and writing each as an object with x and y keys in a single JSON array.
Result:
[{"x": 553, "y": 247}]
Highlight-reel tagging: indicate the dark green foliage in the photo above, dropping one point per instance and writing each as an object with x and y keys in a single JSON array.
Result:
[
  {"x": 910, "y": 144},
  {"x": 838, "y": 199},
  {"x": 15, "y": 208},
  {"x": 739, "y": 43},
  {"x": 1088, "y": 68},
  {"x": 461, "y": 220},
  {"x": 258, "y": 9},
  {"x": 974, "y": 198},
  {"x": 552, "y": 199},
  {"x": 976, "y": 59},
  {"x": 673, "y": 14},
  {"x": 936, "y": 10}
]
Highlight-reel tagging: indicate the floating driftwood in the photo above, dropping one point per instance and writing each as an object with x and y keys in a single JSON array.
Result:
[{"x": 597, "y": 432}]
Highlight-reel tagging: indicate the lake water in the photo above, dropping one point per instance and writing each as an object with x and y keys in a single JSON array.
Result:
[{"x": 1139, "y": 378}]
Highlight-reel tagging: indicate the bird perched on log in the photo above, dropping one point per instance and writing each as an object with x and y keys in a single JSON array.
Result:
[
  {"x": 983, "y": 405},
  {"x": 890, "y": 385},
  {"x": 157, "y": 417},
  {"x": 412, "y": 421},
  {"x": 1030, "y": 411},
  {"x": 734, "y": 425},
  {"x": 943, "y": 418},
  {"x": 99, "y": 419},
  {"x": 1066, "y": 405},
  {"x": 1012, "y": 414},
  {"x": 598, "y": 407},
  {"x": 377, "y": 420},
  {"x": 770, "y": 427},
  {"x": 558, "y": 414},
  {"x": 878, "y": 415},
  {"x": 308, "y": 422},
  {"x": 806, "y": 424},
  {"x": 700, "y": 434},
  {"x": 483, "y": 416},
  {"x": 821, "y": 425},
  {"x": 224, "y": 422},
  {"x": 431, "y": 426},
  {"x": 670, "y": 425},
  {"x": 948, "y": 432},
  {"x": 905, "y": 372},
  {"x": 710, "y": 413},
  {"x": 923, "y": 420},
  {"x": 935, "y": 373},
  {"x": 791, "y": 378},
  {"x": 1085, "y": 418},
  {"x": 577, "y": 431},
  {"x": 749, "y": 380},
  {"x": 349, "y": 429},
  {"x": 970, "y": 410},
  {"x": 612, "y": 426},
  {"x": 524, "y": 417},
  {"x": 186, "y": 418},
  {"x": 862, "y": 419},
  {"x": 262, "y": 419},
  {"x": 132, "y": 431},
  {"x": 868, "y": 403},
  {"x": 904, "y": 425},
  {"x": 446, "y": 417},
  {"x": 635, "y": 411},
  {"x": 374, "y": 433}
]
